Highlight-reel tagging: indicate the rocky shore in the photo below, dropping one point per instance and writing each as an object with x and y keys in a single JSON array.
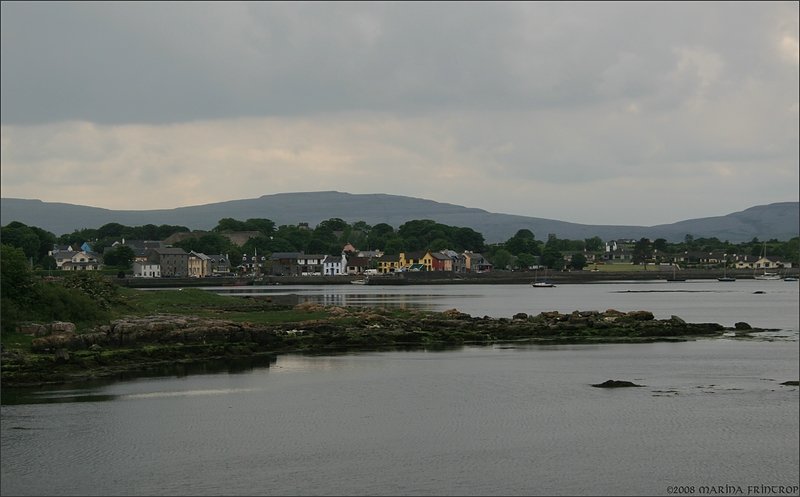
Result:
[{"x": 60, "y": 354}]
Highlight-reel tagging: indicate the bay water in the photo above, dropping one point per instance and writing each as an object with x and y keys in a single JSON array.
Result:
[{"x": 711, "y": 417}]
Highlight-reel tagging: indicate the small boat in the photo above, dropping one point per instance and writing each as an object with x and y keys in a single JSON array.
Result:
[
  {"x": 725, "y": 276},
  {"x": 790, "y": 278},
  {"x": 543, "y": 283},
  {"x": 766, "y": 275},
  {"x": 358, "y": 282}
]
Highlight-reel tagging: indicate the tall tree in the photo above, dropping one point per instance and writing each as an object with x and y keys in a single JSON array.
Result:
[
  {"x": 594, "y": 244},
  {"x": 522, "y": 242},
  {"x": 642, "y": 251}
]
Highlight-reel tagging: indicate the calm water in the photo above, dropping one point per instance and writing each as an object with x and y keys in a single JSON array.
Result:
[
  {"x": 695, "y": 301},
  {"x": 498, "y": 420}
]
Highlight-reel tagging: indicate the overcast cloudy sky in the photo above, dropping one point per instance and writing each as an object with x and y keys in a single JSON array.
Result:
[{"x": 596, "y": 113}]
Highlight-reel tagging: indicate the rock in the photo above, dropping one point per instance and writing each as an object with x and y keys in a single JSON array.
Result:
[
  {"x": 742, "y": 326},
  {"x": 677, "y": 321},
  {"x": 616, "y": 384},
  {"x": 62, "y": 327},
  {"x": 62, "y": 355},
  {"x": 37, "y": 330},
  {"x": 640, "y": 315},
  {"x": 793, "y": 383},
  {"x": 520, "y": 316},
  {"x": 451, "y": 313}
]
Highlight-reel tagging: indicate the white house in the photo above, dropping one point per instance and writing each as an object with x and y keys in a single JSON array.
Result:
[
  {"x": 76, "y": 261},
  {"x": 334, "y": 265},
  {"x": 146, "y": 270}
]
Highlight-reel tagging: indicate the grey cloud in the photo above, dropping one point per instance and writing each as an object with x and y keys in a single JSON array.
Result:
[{"x": 171, "y": 62}]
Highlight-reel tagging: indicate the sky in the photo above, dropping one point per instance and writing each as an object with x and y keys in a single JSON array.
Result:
[{"x": 595, "y": 113}]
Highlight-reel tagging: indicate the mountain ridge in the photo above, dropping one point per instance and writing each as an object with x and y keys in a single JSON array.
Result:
[{"x": 779, "y": 220}]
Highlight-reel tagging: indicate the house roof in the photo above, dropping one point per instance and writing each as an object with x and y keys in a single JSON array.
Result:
[
  {"x": 169, "y": 251},
  {"x": 284, "y": 255},
  {"x": 310, "y": 256},
  {"x": 65, "y": 254}
]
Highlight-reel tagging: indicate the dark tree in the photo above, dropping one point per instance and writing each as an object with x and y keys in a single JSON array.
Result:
[
  {"x": 121, "y": 256},
  {"x": 111, "y": 230},
  {"x": 578, "y": 262},
  {"x": 594, "y": 244},
  {"x": 522, "y": 242},
  {"x": 642, "y": 251}
]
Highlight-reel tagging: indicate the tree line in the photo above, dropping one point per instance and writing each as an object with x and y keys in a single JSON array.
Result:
[{"x": 522, "y": 250}]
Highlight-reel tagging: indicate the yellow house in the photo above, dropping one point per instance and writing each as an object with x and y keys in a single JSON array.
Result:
[
  {"x": 406, "y": 260},
  {"x": 427, "y": 261},
  {"x": 199, "y": 265},
  {"x": 388, "y": 263}
]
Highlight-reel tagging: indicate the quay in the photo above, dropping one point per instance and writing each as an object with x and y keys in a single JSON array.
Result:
[{"x": 442, "y": 278}]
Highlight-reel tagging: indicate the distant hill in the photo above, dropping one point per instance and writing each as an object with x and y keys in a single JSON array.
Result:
[{"x": 780, "y": 220}]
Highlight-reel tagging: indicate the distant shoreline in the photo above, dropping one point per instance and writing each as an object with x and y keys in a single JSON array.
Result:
[{"x": 440, "y": 278}]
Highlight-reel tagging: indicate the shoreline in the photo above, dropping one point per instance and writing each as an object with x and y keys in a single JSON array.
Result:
[
  {"x": 440, "y": 278},
  {"x": 134, "y": 346}
]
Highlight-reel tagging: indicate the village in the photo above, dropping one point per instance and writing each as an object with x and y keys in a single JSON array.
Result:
[{"x": 159, "y": 259}]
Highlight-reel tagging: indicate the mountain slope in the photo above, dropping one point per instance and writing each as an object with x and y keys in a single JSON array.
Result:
[{"x": 779, "y": 220}]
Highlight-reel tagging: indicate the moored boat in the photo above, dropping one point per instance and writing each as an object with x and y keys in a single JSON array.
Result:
[{"x": 541, "y": 283}]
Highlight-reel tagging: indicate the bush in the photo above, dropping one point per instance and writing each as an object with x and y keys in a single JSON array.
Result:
[
  {"x": 67, "y": 304},
  {"x": 95, "y": 286}
]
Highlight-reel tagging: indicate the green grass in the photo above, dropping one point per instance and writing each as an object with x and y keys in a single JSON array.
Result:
[
  {"x": 202, "y": 303},
  {"x": 186, "y": 301},
  {"x": 205, "y": 304},
  {"x": 14, "y": 340}
]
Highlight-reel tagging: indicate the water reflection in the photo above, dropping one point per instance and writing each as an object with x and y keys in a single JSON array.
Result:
[
  {"x": 430, "y": 297},
  {"x": 765, "y": 306},
  {"x": 94, "y": 390}
]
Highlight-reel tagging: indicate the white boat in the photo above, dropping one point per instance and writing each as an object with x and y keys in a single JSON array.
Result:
[
  {"x": 358, "y": 282},
  {"x": 790, "y": 278},
  {"x": 766, "y": 275},
  {"x": 543, "y": 283}
]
